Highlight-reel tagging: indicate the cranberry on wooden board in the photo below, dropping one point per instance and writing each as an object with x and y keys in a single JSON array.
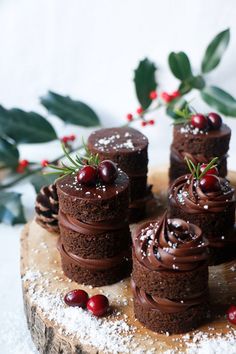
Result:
[
  {"x": 199, "y": 121},
  {"x": 98, "y": 305},
  {"x": 87, "y": 175},
  {"x": 231, "y": 314},
  {"x": 76, "y": 297},
  {"x": 211, "y": 171},
  {"x": 107, "y": 171},
  {"x": 215, "y": 121},
  {"x": 210, "y": 183}
]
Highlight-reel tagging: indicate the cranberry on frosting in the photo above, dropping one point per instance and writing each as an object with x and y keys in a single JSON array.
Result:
[{"x": 170, "y": 244}]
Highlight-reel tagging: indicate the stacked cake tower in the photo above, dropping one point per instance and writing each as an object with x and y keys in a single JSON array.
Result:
[
  {"x": 94, "y": 232},
  {"x": 207, "y": 200},
  {"x": 200, "y": 139},
  {"x": 129, "y": 149},
  {"x": 170, "y": 275}
]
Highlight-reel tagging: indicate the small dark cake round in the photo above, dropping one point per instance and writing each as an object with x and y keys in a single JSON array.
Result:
[
  {"x": 128, "y": 148},
  {"x": 101, "y": 202},
  {"x": 199, "y": 146},
  {"x": 213, "y": 212},
  {"x": 170, "y": 275}
]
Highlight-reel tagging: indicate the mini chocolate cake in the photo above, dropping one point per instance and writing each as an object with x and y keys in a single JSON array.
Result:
[
  {"x": 128, "y": 148},
  {"x": 212, "y": 209},
  {"x": 95, "y": 238},
  {"x": 199, "y": 145},
  {"x": 170, "y": 275}
]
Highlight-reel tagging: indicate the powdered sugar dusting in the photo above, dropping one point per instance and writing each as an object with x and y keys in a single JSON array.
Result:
[{"x": 116, "y": 141}]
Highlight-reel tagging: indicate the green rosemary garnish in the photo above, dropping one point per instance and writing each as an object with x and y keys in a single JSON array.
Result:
[
  {"x": 196, "y": 169},
  {"x": 76, "y": 163}
]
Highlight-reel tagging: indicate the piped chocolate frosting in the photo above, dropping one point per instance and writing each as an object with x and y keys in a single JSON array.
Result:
[
  {"x": 187, "y": 194},
  {"x": 171, "y": 244}
]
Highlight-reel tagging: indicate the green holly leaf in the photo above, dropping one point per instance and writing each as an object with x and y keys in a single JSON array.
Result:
[
  {"x": 180, "y": 65},
  {"x": 197, "y": 82},
  {"x": 11, "y": 209},
  {"x": 39, "y": 180},
  {"x": 215, "y": 51},
  {"x": 25, "y": 127},
  {"x": 9, "y": 154},
  {"x": 221, "y": 100},
  {"x": 69, "y": 110},
  {"x": 145, "y": 82}
]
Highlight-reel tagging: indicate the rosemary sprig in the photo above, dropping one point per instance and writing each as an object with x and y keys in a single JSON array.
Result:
[
  {"x": 195, "y": 170},
  {"x": 77, "y": 162}
]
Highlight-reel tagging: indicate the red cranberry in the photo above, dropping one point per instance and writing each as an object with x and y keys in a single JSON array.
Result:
[
  {"x": 87, "y": 175},
  {"x": 211, "y": 171},
  {"x": 199, "y": 121},
  {"x": 210, "y": 183},
  {"x": 231, "y": 314},
  {"x": 76, "y": 298},
  {"x": 98, "y": 305},
  {"x": 214, "y": 120},
  {"x": 107, "y": 171}
]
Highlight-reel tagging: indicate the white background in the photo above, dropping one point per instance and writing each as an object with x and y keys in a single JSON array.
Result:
[{"x": 88, "y": 49}]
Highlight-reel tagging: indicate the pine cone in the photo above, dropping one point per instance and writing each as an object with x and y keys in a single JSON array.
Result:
[{"x": 46, "y": 208}]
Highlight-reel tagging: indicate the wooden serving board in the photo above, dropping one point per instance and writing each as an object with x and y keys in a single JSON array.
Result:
[{"x": 59, "y": 329}]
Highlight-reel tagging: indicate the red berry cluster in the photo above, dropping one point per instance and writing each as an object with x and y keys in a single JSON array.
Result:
[
  {"x": 67, "y": 139},
  {"x": 231, "y": 314},
  {"x": 106, "y": 172},
  {"x": 97, "y": 304},
  {"x": 212, "y": 121},
  {"x": 22, "y": 165},
  {"x": 210, "y": 181},
  {"x": 168, "y": 97}
]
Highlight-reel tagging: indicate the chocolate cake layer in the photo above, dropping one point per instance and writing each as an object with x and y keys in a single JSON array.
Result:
[
  {"x": 184, "y": 320},
  {"x": 178, "y": 166},
  {"x": 170, "y": 284},
  {"x": 94, "y": 240},
  {"x": 211, "y": 143},
  {"x": 94, "y": 203},
  {"x": 125, "y": 146},
  {"x": 138, "y": 187},
  {"x": 95, "y": 272}
]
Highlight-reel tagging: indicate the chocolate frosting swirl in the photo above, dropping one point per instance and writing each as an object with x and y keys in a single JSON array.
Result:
[
  {"x": 94, "y": 228},
  {"x": 166, "y": 305},
  {"x": 170, "y": 244},
  {"x": 187, "y": 194}
]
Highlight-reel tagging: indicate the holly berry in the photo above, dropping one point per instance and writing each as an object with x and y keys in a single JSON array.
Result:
[
  {"x": 24, "y": 163},
  {"x": 107, "y": 171},
  {"x": 87, "y": 175},
  {"x": 211, "y": 171},
  {"x": 44, "y": 163},
  {"x": 72, "y": 137},
  {"x": 151, "y": 122},
  {"x": 153, "y": 95},
  {"x": 231, "y": 314},
  {"x": 199, "y": 121},
  {"x": 139, "y": 110},
  {"x": 175, "y": 94},
  {"x": 166, "y": 97},
  {"x": 143, "y": 123},
  {"x": 210, "y": 183},
  {"x": 98, "y": 305},
  {"x": 214, "y": 120},
  {"x": 129, "y": 117},
  {"x": 76, "y": 297}
]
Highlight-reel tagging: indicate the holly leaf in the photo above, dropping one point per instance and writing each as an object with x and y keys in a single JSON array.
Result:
[
  {"x": 145, "y": 81},
  {"x": 197, "y": 82},
  {"x": 25, "y": 127},
  {"x": 11, "y": 209},
  {"x": 40, "y": 180},
  {"x": 215, "y": 51},
  {"x": 69, "y": 110},
  {"x": 9, "y": 154},
  {"x": 221, "y": 100},
  {"x": 180, "y": 65}
]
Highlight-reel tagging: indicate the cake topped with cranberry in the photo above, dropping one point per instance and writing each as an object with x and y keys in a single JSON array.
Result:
[{"x": 199, "y": 137}]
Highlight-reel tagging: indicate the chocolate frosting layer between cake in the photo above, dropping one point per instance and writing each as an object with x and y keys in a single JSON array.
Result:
[
  {"x": 188, "y": 195},
  {"x": 166, "y": 305},
  {"x": 170, "y": 244}
]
